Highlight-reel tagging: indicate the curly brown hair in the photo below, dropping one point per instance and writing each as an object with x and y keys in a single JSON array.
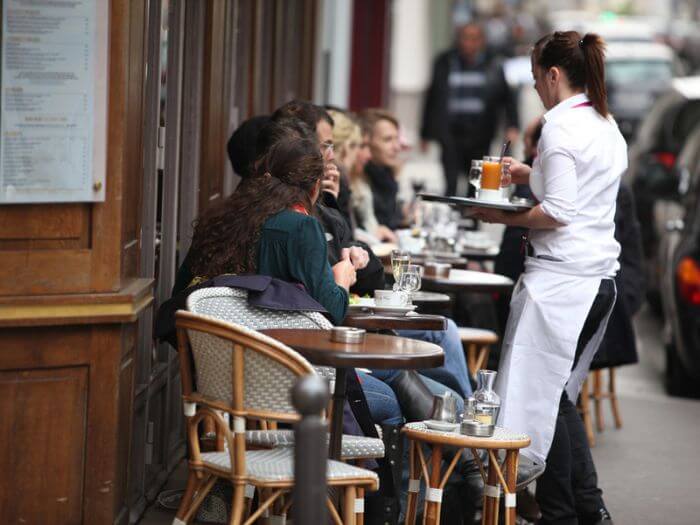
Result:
[{"x": 225, "y": 237}]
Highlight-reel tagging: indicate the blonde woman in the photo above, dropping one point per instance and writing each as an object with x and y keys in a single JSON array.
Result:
[{"x": 351, "y": 155}]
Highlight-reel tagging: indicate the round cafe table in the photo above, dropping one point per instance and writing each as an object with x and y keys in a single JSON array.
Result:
[
  {"x": 370, "y": 321},
  {"x": 468, "y": 281},
  {"x": 377, "y": 351}
]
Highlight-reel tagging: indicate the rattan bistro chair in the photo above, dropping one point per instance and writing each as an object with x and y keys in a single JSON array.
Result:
[
  {"x": 245, "y": 374},
  {"x": 231, "y": 304}
]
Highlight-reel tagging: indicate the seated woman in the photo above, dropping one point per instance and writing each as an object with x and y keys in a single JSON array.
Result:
[{"x": 267, "y": 227}]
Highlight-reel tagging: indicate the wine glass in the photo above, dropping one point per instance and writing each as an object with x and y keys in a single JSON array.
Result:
[
  {"x": 410, "y": 279},
  {"x": 475, "y": 173},
  {"x": 400, "y": 259}
]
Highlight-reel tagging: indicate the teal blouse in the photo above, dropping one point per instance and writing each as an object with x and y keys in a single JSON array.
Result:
[{"x": 292, "y": 247}]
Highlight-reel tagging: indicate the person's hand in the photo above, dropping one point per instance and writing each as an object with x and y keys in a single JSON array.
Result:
[
  {"x": 518, "y": 171},
  {"x": 331, "y": 179},
  {"x": 384, "y": 233},
  {"x": 344, "y": 273},
  {"x": 490, "y": 215},
  {"x": 358, "y": 256}
]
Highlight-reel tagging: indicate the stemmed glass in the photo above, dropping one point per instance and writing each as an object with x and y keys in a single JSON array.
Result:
[
  {"x": 475, "y": 173},
  {"x": 400, "y": 260},
  {"x": 410, "y": 280}
]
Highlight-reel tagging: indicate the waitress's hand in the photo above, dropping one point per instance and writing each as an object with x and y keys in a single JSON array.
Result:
[
  {"x": 518, "y": 171},
  {"x": 344, "y": 273},
  {"x": 490, "y": 215}
]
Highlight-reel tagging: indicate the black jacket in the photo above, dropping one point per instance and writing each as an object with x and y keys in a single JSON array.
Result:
[
  {"x": 496, "y": 95},
  {"x": 385, "y": 190}
]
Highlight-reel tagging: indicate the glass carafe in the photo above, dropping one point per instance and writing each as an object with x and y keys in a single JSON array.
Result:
[{"x": 488, "y": 403}]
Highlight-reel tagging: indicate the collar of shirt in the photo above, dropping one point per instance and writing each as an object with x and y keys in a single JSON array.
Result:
[{"x": 563, "y": 106}]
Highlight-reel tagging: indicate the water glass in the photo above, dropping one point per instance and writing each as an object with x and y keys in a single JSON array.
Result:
[
  {"x": 475, "y": 173},
  {"x": 410, "y": 279}
]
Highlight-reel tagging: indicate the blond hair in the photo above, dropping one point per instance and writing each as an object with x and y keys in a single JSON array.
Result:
[{"x": 345, "y": 130}]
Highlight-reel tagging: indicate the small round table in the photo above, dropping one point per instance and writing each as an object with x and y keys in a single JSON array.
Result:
[
  {"x": 377, "y": 351},
  {"x": 469, "y": 281},
  {"x": 370, "y": 321},
  {"x": 494, "y": 479}
]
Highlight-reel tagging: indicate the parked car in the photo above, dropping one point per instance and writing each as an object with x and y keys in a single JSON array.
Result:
[
  {"x": 679, "y": 257},
  {"x": 636, "y": 73},
  {"x": 651, "y": 167}
]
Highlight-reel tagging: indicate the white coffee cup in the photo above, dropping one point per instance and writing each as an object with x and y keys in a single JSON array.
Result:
[{"x": 390, "y": 298}]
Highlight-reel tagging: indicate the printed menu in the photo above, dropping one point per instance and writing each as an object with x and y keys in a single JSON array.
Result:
[{"x": 53, "y": 101}]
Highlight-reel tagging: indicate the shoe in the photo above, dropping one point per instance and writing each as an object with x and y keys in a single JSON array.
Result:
[
  {"x": 528, "y": 471},
  {"x": 604, "y": 517},
  {"x": 415, "y": 398}
]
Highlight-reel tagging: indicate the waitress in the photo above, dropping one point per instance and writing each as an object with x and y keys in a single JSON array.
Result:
[{"x": 560, "y": 305}]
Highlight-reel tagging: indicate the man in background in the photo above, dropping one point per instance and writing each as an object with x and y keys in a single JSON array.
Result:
[{"x": 463, "y": 104}]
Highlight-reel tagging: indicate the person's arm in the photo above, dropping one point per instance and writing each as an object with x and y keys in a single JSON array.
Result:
[
  {"x": 510, "y": 103},
  {"x": 558, "y": 207},
  {"x": 428, "y": 121},
  {"x": 308, "y": 264}
]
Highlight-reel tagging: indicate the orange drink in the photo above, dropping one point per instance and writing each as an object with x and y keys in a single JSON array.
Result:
[{"x": 491, "y": 175}]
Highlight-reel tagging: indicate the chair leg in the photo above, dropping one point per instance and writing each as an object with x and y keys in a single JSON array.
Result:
[
  {"x": 360, "y": 507},
  {"x": 613, "y": 398},
  {"x": 471, "y": 359},
  {"x": 349, "y": 506},
  {"x": 237, "y": 505},
  {"x": 598, "y": 399},
  {"x": 483, "y": 358},
  {"x": 186, "y": 501},
  {"x": 584, "y": 409},
  {"x": 414, "y": 478},
  {"x": 431, "y": 515}
]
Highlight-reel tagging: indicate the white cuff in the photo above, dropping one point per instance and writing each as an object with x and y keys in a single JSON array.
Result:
[
  {"x": 510, "y": 500},
  {"x": 492, "y": 491},
  {"x": 359, "y": 505},
  {"x": 238, "y": 425},
  {"x": 249, "y": 491},
  {"x": 414, "y": 485},
  {"x": 190, "y": 409}
]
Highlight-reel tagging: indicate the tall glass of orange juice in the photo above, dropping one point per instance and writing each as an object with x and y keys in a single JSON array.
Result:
[{"x": 491, "y": 179}]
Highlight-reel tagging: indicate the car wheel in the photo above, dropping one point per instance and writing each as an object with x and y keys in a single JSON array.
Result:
[{"x": 678, "y": 382}]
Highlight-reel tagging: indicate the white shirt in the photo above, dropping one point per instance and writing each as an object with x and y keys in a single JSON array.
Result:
[{"x": 575, "y": 176}]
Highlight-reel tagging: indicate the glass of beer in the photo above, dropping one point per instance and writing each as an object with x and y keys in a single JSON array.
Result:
[{"x": 491, "y": 174}]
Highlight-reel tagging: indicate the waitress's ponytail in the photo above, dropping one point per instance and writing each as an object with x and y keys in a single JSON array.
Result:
[
  {"x": 583, "y": 60},
  {"x": 594, "y": 62}
]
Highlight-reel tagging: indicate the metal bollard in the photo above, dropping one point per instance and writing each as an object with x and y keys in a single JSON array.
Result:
[{"x": 310, "y": 396}]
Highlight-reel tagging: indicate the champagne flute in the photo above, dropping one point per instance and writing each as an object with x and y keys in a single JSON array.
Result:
[{"x": 400, "y": 259}]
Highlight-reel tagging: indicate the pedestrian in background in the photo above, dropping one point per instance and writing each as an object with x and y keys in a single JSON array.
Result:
[{"x": 463, "y": 104}]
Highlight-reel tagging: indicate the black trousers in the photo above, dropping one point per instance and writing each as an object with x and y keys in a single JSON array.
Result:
[
  {"x": 568, "y": 492},
  {"x": 457, "y": 154}
]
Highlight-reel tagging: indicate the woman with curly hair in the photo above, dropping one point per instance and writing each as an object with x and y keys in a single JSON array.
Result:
[{"x": 267, "y": 225}]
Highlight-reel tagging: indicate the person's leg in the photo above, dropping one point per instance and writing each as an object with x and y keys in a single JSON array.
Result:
[
  {"x": 584, "y": 478},
  {"x": 382, "y": 402},
  {"x": 554, "y": 489},
  {"x": 450, "y": 165},
  {"x": 453, "y": 373}
]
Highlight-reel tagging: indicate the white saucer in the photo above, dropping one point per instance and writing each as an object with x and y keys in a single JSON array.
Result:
[
  {"x": 442, "y": 426},
  {"x": 393, "y": 310}
]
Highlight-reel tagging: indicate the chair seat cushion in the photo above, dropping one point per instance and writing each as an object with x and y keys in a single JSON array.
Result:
[
  {"x": 354, "y": 447},
  {"x": 277, "y": 464},
  {"x": 477, "y": 335}
]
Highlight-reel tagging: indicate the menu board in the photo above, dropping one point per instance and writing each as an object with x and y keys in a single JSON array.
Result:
[{"x": 53, "y": 102}]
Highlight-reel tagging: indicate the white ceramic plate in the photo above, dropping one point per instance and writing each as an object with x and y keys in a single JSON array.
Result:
[
  {"x": 393, "y": 310},
  {"x": 442, "y": 426}
]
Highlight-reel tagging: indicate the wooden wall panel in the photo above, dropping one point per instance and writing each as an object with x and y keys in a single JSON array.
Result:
[
  {"x": 50, "y": 406},
  {"x": 44, "y": 226},
  {"x": 214, "y": 108},
  {"x": 133, "y": 160}
]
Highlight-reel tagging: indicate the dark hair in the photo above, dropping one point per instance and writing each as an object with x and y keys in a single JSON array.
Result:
[
  {"x": 225, "y": 237},
  {"x": 310, "y": 114},
  {"x": 581, "y": 58},
  {"x": 241, "y": 146},
  {"x": 275, "y": 130}
]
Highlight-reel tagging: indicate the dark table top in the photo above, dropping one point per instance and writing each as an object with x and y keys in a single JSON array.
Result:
[
  {"x": 377, "y": 351},
  {"x": 370, "y": 321},
  {"x": 469, "y": 281}
]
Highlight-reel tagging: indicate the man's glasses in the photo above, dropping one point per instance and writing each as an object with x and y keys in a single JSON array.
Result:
[{"x": 327, "y": 147}]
